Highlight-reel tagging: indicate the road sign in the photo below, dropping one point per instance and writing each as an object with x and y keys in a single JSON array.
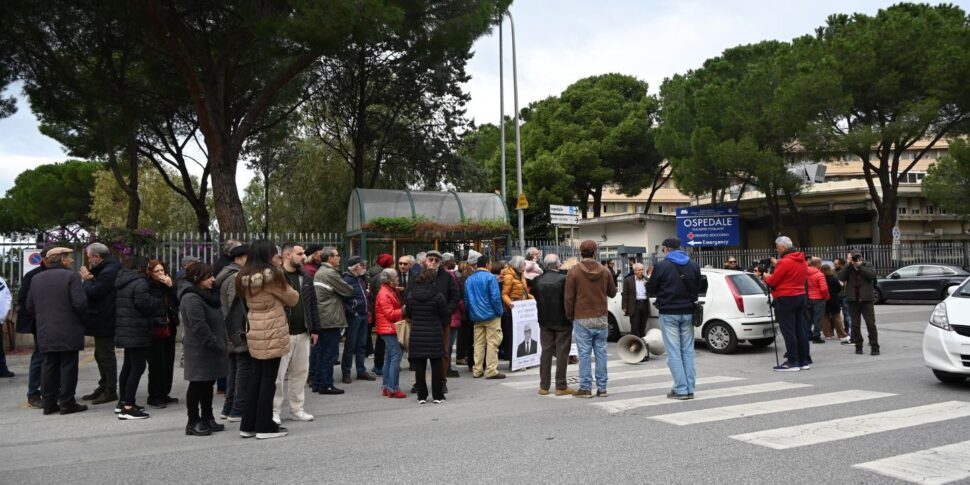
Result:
[
  {"x": 896, "y": 233},
  {"x": 708, "y": 226},
  {"x": 522, "y": 203},
  {"x": 31, "y": 259},
  {"x": 564, "y": 210},
  {"x": 560, "y": 220}
]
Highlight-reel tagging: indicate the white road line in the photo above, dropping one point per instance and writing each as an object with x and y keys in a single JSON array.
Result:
[
  {"x": 617, "y": 376},
  {"x": 767, "y": 407},
  {"x": 664, "y": 385},
  {"x": 933, "y": 466},
  {"x": 627, "y": 404},
  {"x": 610, "y": 365},
  {"x": 855, "y": 426}
]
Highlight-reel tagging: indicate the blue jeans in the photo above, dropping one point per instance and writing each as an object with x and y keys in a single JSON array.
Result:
[
  {"x": 355, "y": 345},
  {"x": 34, "y": 374},
  {"x": 846, "y": 317},
  {"x": 327, "y": 349},
  {"x": 392, "y": 363},
  {"x": 678, "y": 334},
  {"x": 237, "y": 383},
  {"x": 587, "y": 340},
  {"x": 451, "y": 345}
]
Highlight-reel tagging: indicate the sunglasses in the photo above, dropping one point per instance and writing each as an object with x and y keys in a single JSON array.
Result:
[
  {"x": 434, "y": 260},
  {"x": 402, "y": 264}
]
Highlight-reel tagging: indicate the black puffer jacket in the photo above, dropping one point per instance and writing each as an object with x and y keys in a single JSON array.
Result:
[
  {"x": 428, "y": 312},
  {"x": 133, "y": 313}
]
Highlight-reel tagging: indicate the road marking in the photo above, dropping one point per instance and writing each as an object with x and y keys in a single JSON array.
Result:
[
  {"x": 87, "y": 360},
  {"x": 767, "y": 407},
  {"x": 627, "y": 404},
  {"x": 855, "y": 426},
  {"x": 664, "y": 385},
  {"x": 618, "y": 376},
  {"x": 933, "y": 466}
]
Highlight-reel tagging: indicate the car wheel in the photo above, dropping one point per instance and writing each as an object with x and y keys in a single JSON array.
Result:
[
  {"x": 949, "y": 378},
  {"x": 760, "y": 343},
  {"x": 614, "y": 329},
  {"x": 877, "y": 296},
  {"x": 720, "y": 338}
]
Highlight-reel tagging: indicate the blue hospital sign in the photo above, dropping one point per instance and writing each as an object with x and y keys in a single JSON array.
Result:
[{"x": 708, "y": 226}]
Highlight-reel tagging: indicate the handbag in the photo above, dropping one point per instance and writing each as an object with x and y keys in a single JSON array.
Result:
[{"x": 403, "y": 329}]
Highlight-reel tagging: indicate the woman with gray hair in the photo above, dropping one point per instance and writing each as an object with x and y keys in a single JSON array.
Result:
[{"x": 387, "y": 312}]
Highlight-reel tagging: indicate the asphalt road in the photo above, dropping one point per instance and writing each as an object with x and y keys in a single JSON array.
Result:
[{"x": 837, "y": 423}]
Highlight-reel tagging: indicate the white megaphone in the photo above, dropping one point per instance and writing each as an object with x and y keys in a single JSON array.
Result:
[{"x": 633, "y": 349}]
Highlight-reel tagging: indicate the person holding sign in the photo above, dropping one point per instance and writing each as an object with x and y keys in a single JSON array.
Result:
[{"x": 514, "y": 288}]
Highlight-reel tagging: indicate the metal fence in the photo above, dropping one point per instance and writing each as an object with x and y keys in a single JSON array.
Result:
[
  {"x": 169, "y": 248},
  {"x": 884, "y": 258},
  {"x": 564, "y": 251}
]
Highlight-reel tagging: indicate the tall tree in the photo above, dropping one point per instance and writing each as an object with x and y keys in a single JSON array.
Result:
[
  {"x": 395, "y": 101},
  {"x": 50, "y": 197},
  {"x": 236, "y": 57},
  {"x": 600, "y": 130},
  {"x": 77, "y": 61},
  {"x": 730, "y": 124},
  {"x": 888, "y": 82}
]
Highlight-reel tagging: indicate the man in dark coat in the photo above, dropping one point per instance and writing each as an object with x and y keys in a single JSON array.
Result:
[
  {"x": 133, "y": 332},
  {"x": 356, "y": 309},
  {"x": 99, "y": 285},
  {"x": 26, "y": 324},
  {"x": 58, "y": 303},
  {"x": 636, "y": 303},
  {"x": 555, "y": 330}
]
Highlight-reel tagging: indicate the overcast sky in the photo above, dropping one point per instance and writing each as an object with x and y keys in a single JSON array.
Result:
[{"x": 559, "y": 42}]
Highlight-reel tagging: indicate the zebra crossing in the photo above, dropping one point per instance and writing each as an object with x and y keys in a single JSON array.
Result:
[{"x": 938, "y": 465}]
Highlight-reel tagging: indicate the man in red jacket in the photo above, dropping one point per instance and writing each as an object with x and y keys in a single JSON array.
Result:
[{"x": 788, "y": 285}]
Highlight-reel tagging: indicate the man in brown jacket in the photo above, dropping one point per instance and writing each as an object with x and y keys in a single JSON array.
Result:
[{"x": 589, "y": 285}]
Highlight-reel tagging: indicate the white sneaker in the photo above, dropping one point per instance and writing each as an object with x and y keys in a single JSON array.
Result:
[
  {"x": 301, "y": 416},
  {"x": 247, "y": 434},
  {"x": 269, "y": 436},
  {"x": 234, "y": 419},
  {"x": 276, "y": 419}
]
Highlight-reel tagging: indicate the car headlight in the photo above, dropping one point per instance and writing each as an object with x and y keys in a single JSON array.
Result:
[{"x": 939, "y": 319}]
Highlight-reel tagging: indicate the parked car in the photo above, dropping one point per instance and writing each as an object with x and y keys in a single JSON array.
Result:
[
  {"x": 735, "y": 310},
  {"x": 946, "y": 340},
  {"x": 919, "y": 282}
]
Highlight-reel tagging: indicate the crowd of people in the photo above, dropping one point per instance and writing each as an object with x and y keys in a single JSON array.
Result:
[
  {"x": 269, "y": 320},
  {"x": 816, "y": 302}
]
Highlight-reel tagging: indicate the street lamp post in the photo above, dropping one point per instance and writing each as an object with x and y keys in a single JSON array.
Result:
[
  {"x": 501, "y": 105},
  {"x": 518, "y": 140}
]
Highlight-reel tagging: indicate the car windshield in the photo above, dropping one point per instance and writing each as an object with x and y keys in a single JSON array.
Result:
[
  {"x": 964, "y": 290},
  {"x": 747, "y": 284}
]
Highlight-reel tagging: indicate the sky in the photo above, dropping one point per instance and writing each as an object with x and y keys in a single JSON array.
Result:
[{"x": 558, "y": 42}]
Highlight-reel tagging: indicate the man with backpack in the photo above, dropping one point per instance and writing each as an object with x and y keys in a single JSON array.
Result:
[
  {"x": 234, "y": 310},
  {"x": 676, "y": 282}
]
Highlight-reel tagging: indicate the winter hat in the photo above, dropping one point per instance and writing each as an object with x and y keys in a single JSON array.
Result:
[{"x": 385, "y": 260}]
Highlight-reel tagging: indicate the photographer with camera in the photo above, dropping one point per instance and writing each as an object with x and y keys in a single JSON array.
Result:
[
  {"x": 859, "y": 278},
  {"x": 788, "y": 283}
]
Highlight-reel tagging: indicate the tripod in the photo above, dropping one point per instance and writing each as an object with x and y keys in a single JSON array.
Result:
[{"x": 774, "y": 337}]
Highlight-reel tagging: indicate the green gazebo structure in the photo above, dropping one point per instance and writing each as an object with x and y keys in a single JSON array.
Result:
[{"x": 401, "y": 222}]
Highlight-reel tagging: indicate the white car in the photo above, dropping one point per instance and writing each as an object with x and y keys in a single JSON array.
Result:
[
  {"x": 946, "y": 340},
  {"x": 735, "y": 310}
]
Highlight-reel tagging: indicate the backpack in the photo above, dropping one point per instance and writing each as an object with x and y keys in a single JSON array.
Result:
[{"x": 237, "y": 322}]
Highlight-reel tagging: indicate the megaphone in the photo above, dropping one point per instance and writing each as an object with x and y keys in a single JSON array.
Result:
[{"x": 633, "y": 349}]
